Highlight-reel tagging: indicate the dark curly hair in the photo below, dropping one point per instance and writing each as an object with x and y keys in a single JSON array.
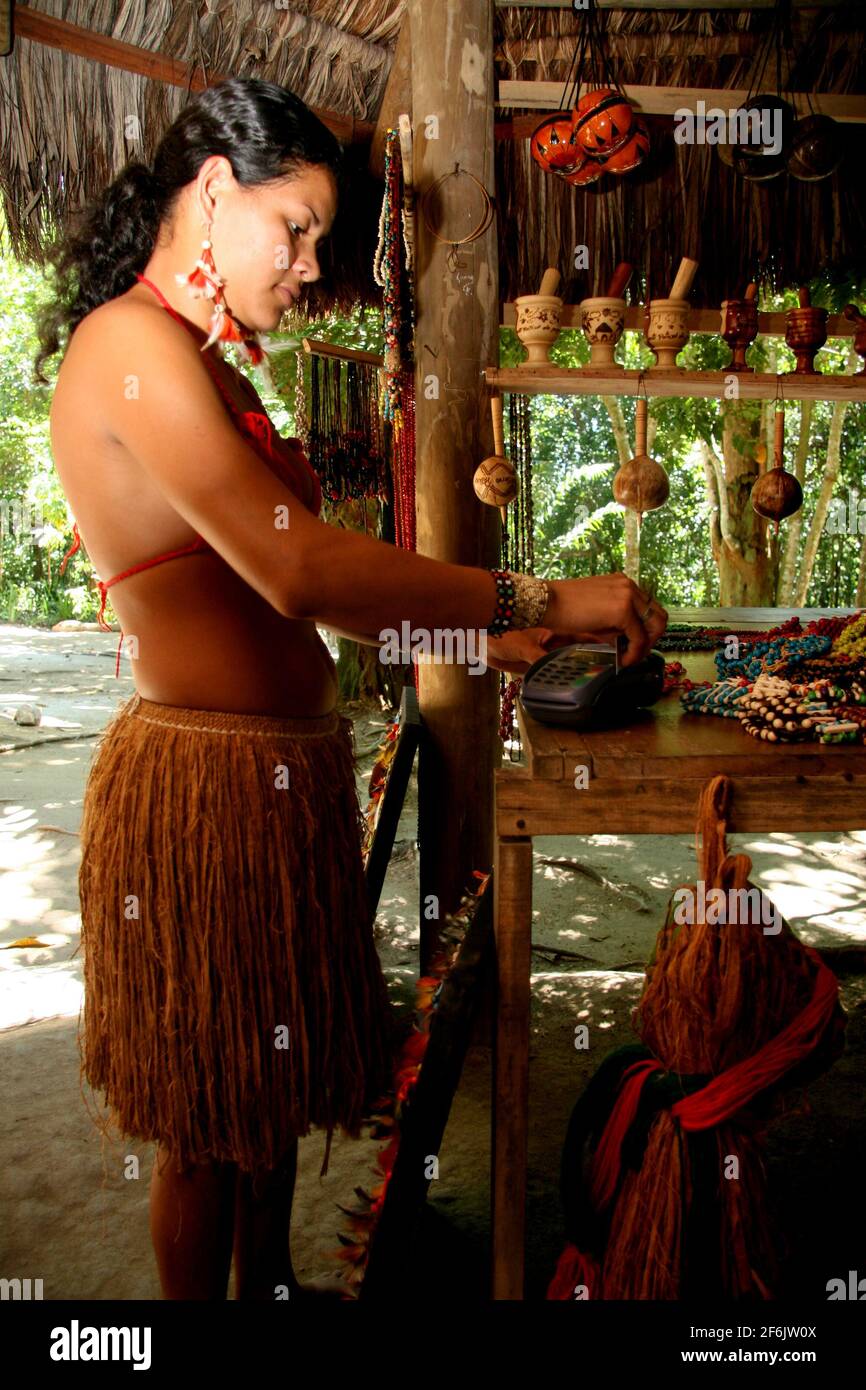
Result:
[{"x": 264, "y": 130}]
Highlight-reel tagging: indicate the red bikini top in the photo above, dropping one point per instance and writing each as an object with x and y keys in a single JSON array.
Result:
[{"x": 284, "y": 456}]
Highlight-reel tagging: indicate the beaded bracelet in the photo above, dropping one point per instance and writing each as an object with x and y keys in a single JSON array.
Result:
[
  {"x": 503, "y": 617},
  {"x": 521, "y": 601}
]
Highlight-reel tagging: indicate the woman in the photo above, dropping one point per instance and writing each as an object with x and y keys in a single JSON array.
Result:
[{"x": 233, "y": 996}]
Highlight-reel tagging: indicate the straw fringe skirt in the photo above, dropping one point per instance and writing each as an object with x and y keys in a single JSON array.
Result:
[{"x": 233, "y": 996}]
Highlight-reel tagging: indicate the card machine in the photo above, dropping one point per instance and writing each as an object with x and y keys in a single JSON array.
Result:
[{"x": 583, "y": 685}]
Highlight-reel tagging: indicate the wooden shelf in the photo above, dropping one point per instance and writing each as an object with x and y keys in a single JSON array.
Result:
[{"x": 550, "y": 380}]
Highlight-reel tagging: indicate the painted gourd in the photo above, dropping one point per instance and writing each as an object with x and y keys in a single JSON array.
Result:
[
  {"x": 603, "y": 121},
  {"x": 633, "y": 152},
  {"x": 554, "y": 144}
]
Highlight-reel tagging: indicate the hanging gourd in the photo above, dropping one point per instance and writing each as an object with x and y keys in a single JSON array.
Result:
[
  {"x": 642, "y": 485},
  {"x": 603, "y": 121},
  {"x": 587, "y": 172},
  {"x": 777, "y": 494},
  {"x": 554, "y": 145},
  {"x": 495, "y": 479},
  {"x": 816, "y": 148},
  {"x": 632, "y": 153}
]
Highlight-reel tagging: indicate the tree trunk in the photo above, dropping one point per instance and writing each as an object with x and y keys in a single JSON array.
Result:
[
  {"x": 828, "y": 484},
  {"x": 788, "y": 572},
  {"x": 631, "y": 565},
  {"x": 860, "y": 597},
  {"x": 745, "y": 553}
]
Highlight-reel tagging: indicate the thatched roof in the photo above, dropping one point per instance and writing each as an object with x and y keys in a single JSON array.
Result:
[{"x": 63, "y": 120}]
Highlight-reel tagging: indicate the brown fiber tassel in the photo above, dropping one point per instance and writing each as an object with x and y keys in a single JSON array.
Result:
[{"x": 218, "y": 906}]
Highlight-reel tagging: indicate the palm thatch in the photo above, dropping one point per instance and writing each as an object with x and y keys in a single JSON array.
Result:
[
  {"x": 68, "y": 123},
  {"x": 684, "y": 200}
]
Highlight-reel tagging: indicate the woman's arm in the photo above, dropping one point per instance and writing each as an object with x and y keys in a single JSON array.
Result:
[{"x": 176, "y": 427}]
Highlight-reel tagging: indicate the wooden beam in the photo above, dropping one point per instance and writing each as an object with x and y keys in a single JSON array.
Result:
[
  {"x": 678, "y": 44},
  {"x": 113, "y": 53},
  {"x": 396, "y": 99},
  {"x": 670, "y": 381},
  {"x": 664, "y": 101},
  {"x": 668, "y": 4},
  {"x": 456, "y": 331},
  {"x": 700, "y": 321}
]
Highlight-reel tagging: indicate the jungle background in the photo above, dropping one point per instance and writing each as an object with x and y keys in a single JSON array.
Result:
[{"x": 705, "y": 547}]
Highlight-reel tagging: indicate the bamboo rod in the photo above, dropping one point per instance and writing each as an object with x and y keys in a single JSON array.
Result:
[{"x": 322, "y": 349}]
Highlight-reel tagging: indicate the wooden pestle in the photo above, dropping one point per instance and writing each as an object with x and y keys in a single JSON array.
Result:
[
  {"x": 619, "y": 280},
  {"x": 803, "y": 297},
  {"x": 751, "y": 290},
  {"x": 550, "y": 281},
  {"x": 684, "y": 277}
]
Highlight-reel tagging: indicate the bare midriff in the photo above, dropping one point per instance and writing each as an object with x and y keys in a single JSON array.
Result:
[{"x": 206, "y": 640}]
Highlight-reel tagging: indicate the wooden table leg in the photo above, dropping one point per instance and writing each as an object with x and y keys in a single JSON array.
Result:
[{"x": 512, "y": 909}]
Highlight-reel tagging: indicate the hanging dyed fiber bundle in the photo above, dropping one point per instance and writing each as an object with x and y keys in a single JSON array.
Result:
[{"x": 663, "y": 1181}]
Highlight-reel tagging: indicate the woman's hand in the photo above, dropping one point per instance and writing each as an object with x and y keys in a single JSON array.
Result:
[
  {"x": 605, "y": 608},
  {"x": 517, "y": 650}
]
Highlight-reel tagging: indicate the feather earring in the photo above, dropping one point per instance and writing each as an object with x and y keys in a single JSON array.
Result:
[{"x": 204, "y": 281}]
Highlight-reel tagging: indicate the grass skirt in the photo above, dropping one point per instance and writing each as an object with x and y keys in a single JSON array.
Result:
[{"x": 233, "y": 996}]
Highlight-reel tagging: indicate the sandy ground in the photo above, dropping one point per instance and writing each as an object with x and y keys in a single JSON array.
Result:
[{"x": 72, "y": 1218}]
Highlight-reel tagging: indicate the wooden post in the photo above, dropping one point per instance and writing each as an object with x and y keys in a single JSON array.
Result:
[{"x": 456, "y": 336}]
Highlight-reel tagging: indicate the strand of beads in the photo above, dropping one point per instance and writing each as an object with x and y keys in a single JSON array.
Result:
[
  {"x": 683, "y": 637},
  {"x": 853, "y": 714},
  {"x": 777, "y": 655},
  {"x": 721, "y": 698},
  {"x": 780, "y": 712},
  {"x": 842, "y": 670},
  {"x": 386, "y": 272},
  {"x": 852, "y": 640}
]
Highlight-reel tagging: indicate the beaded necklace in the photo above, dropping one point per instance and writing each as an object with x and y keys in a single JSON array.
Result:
[
  {"x": 852, "y": 640},
  {"x": 386, "y": 273}
]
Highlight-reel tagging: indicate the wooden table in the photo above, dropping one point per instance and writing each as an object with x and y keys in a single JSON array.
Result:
[{"x": 646, "y": 779}]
